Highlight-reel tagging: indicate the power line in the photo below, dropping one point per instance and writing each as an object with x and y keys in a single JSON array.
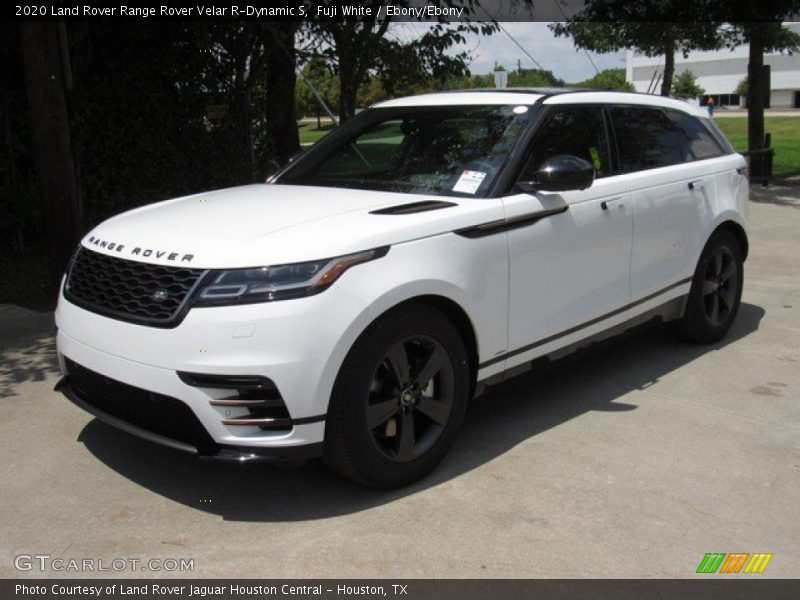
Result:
[
  {"x": 585, "y": 51},
  {"x": 511, "y": 37},
  {"x": 520, "y": 46}
]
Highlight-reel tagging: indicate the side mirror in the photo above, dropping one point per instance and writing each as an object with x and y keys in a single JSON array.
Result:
[{"x": 561, "y": 173}]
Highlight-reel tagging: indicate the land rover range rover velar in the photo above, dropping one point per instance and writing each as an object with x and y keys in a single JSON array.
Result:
[{"x": 352, "y": 305}]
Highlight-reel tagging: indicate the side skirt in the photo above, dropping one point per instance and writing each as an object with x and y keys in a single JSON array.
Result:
[{"x": 668, "y": 311}]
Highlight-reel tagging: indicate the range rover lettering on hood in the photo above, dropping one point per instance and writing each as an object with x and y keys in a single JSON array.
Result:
[{"x": 139, "y": 251}]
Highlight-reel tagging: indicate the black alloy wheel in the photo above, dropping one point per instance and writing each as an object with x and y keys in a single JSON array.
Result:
[
  {"x": 720, "y": 285},
  {"x": 399, "y": 399},
  {"x": 411, "y": 398},
  {"x": 716, "y": 291}
]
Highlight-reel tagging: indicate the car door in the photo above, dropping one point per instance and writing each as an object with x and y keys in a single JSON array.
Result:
[
  {"x": 573, "y": 265},
  {"x": 673, "y": 197}
]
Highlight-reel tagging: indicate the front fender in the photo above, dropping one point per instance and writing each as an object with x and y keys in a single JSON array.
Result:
[{"x": 470, "y": 273}]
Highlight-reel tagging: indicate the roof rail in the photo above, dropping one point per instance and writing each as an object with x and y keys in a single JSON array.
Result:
[{"x": 548, "y": 91}]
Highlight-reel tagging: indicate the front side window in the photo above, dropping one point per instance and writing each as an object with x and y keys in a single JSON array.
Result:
[
  {"x": 647, "y": 139},
  {"x": 449, "y": 150},
  {"x": 577, "y": 131}
]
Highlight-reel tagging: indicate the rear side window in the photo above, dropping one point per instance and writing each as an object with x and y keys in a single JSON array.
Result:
[
  {"x": 715, "y": 131},
  {"x": 647, "y": 139},
  {"x": 699, "y": 139}
]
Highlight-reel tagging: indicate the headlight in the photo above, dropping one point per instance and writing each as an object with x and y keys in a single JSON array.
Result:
[{"x": 280, "y": 282}]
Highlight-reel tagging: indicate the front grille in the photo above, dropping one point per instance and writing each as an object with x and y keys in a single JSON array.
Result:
[
  {"x": 152, "y": 412},
  {"x": 125, "y": 289}
]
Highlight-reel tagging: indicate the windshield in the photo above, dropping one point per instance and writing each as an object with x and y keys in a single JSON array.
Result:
[{"x": 441, "y": 150}]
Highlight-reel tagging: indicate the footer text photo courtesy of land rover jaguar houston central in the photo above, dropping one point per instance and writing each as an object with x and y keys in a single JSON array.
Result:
[{"x": 351, "y": 306}]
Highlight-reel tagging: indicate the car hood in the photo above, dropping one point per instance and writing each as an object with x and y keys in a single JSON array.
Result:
[{"x": 272, "y": 224}]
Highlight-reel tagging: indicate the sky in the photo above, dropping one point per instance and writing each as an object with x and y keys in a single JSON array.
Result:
[{"x": 554, "y": 54}]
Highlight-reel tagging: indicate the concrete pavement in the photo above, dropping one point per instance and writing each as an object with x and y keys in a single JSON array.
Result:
[{"x": 629, "y": 462}]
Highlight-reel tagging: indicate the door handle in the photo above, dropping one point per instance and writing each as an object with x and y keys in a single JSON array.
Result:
[
  {"x": 606, "y": 203},
  {"x": 697, "y": 184}
]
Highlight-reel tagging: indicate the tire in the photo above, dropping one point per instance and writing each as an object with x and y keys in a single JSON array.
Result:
[
  {"x": 716, "y": 291},
  {"x": 389, "y": 423}
]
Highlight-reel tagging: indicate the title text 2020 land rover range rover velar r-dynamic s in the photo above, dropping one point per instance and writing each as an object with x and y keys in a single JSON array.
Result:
[{"x": 352, "y": 305}]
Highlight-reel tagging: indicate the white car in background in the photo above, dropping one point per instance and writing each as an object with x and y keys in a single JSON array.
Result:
[{"x": 351, "y": 306}]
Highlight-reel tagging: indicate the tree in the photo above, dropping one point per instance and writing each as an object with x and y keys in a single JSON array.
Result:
[
  {"x": 654, "y": 29},
  {"x": 372, "y": 91},
  {"x": 758, "y": 24},
  {"x": 316, "y": 73},
  {"x": 741, "y": 88},
  {"x": 763, "y": 36},
  {"x": 151, "y": 108},
  {"x": 608, "y": 79},
  {"x": 360, "y": 48},
  {"x": 43, "y": 44},
  {"x": 468, "y": 82},
  {"x": 533, "y": 78},
  {"x": 685, "y": 86},
  {"x": 240, "y": 57},
  {"x": 283, "y": 138},
  {"x": 148, "y": 110},
  {"x": 232, "y": 61}
]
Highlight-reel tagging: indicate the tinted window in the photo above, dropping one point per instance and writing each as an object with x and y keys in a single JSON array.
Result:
[
  {"x": 714, "y": 129},
  {"x": 374, "y": 148},
  {"x": 699, "y": 139},
  {"x": 647, "y": 139},
  {"x": 579, "y": 131},
  {"x": 448, "y": 150}
]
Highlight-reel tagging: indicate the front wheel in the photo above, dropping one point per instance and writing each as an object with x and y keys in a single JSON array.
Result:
[
  {"x": 716, "y": 291},
  {"x": 399, "y": 400}
]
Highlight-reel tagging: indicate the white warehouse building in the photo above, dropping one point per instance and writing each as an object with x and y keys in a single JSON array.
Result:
[{"x": 719, "y": 73}]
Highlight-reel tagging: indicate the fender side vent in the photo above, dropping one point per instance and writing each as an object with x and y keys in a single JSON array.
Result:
[{"x": 414, "y": 207}]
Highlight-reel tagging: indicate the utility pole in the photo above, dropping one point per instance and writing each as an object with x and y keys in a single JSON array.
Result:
[
  {"x": 519, "y": 66},
  {"x": 755, "y": 103}
]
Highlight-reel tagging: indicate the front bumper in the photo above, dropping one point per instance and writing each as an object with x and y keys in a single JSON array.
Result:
[
  {"x": 298, "y": 345},
  {"x": 124, "y": 377},
  {"x": 211, "y": 451}
]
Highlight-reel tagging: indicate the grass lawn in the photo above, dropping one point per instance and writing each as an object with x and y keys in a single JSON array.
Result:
[
  {"x": 785, "y": 139},
  {"x": 309, "y": 132}
]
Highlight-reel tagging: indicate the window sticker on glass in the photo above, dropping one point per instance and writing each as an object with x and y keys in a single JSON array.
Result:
[
  {"x": 595, "y": 154},
  {"x": 469, "y": 182},
  {"x": 520, "y": 110}
]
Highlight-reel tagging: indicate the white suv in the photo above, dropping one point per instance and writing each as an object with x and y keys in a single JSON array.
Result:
[{"x": 351, "y": 306}]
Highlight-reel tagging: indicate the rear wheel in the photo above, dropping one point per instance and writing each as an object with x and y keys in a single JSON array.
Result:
[
  {"x": 716, "y": 291},
  {"x": 399, "y": 399}
]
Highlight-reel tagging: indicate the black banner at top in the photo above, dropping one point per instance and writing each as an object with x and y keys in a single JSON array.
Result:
[
  {"x": 304, "y": 10},
  {"x": 363, "y": 10}
]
